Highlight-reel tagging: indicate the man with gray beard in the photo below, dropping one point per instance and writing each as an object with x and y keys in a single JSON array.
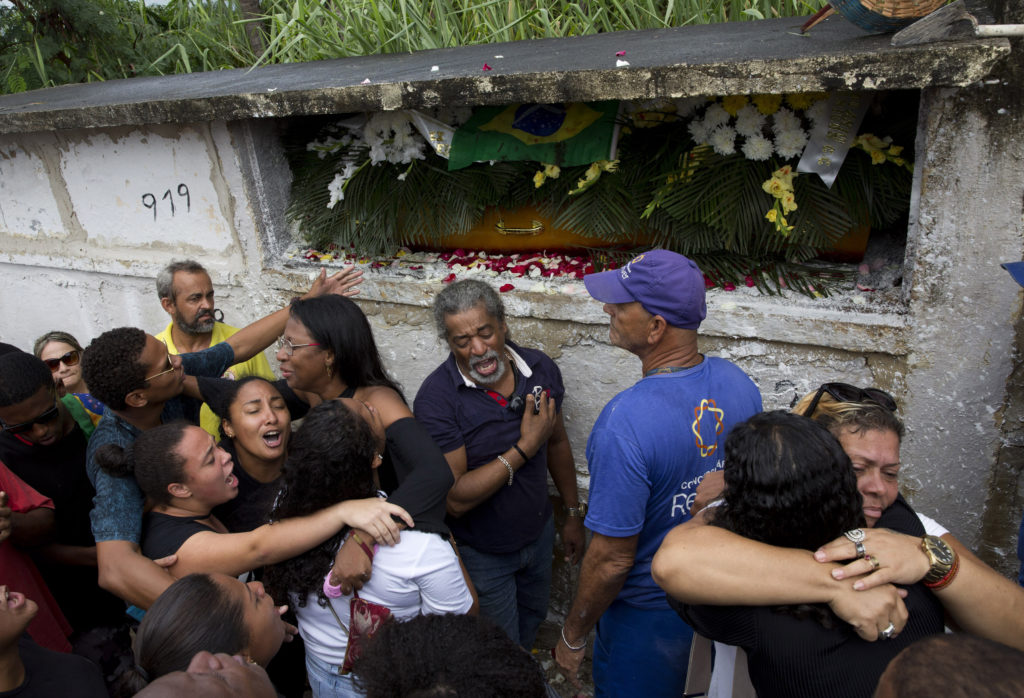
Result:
[
  {"x": 494, "y": 409},
  {"x": 186, "y": 294}
]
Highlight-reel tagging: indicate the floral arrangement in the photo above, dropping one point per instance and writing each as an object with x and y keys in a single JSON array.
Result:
[{"x": 714, "y": 179}]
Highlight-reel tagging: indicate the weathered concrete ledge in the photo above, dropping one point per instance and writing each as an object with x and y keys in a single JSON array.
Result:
[{"x": 732, "y": 58}]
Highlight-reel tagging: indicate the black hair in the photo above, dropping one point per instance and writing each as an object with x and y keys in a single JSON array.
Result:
[
  {"x": 112, "y": 365},
  {"x": 337, "y": 324},
  {"x": 194, "y": 614},
  {"x": 153, "y": 459},
  {"x": 330, "y": 460},
  {"x": 788, "y": 483},
  {"x": 955, "y": 666},
  {"x": 21, "y": 377},
  {"x": 224, "y": 394},
  {"x": 447, "y": 655}
]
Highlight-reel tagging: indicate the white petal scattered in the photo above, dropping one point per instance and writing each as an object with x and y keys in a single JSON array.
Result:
[
  {"x": 434, "y": 69},
  {"x": 365, "y": 82},
  {"x": 499, "y": 56},
  {"x": 621, "y": 63},
  {"x": 271, "y": 89}
]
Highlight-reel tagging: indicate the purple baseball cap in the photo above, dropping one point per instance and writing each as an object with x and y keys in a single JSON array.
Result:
[
  {"x": 665, "y": 283},
  {"x": 1016, "y": 270}
]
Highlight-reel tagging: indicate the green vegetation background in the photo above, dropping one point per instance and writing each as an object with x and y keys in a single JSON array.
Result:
[{"x": 44, "y": 43}]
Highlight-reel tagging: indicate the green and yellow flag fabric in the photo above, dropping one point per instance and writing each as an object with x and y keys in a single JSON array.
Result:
[{"x": 560, "y": 134}]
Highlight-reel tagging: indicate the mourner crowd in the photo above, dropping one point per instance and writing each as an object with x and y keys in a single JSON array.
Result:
[{"x": 169, "y": 527}]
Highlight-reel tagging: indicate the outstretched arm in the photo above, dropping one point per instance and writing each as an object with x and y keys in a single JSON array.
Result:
[
  {"x": 235, "y": 553},
  {"x": 127, "y": 573},
  {"x": 254, "y": 338}
]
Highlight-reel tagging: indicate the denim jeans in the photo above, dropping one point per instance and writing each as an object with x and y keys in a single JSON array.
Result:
[
  {"x": 326, "y": 682},
  {"x": 640, "y": 652},
  {"x": 514, "y": 587}
]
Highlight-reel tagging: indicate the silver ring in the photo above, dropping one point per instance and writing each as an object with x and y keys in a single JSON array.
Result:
[
  {"x": 860, "y": 549},
  {"x": 855, "y": 535},
  {"x": 887, "y": 633}
]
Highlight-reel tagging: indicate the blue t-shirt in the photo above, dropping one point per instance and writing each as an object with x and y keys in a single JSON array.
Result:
[
  {"x": 117, "y": 506},
  {"x": 456, "y": 415},
  {"x": 650, "y": 448}
]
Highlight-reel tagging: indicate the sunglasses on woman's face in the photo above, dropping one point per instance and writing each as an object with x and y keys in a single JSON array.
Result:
[
  {"x": 70, "y": 359},
  {"x": 844, "y": 392}
]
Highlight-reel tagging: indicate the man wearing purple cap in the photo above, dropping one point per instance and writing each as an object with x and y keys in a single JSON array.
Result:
[{"x": 647, "y": 452}]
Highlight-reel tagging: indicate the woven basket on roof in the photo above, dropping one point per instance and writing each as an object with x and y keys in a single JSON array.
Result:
[{"x": 885, "y": 15}]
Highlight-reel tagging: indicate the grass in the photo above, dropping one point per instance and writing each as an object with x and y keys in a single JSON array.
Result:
[{"x": 51, "y": 42}]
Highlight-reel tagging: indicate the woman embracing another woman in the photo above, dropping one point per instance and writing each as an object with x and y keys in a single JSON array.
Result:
[{"x": 334, "y": 457}]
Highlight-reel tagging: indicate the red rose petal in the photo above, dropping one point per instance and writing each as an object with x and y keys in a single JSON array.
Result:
[
  {"x": 505, "y": 288},
  {"x": 487, "y": 67},
  {"x": 620, "y": 53}
]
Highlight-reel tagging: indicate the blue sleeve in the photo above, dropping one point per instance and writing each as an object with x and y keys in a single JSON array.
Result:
[
  {"x": 212, "y": 362},
  {"x": 118, "y": 503},
  {"x": 619, "y": 484}
]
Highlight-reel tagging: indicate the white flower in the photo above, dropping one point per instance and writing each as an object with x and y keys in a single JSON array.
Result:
[
  {"x": 716, "y": 115},
  {"x": 791, "y": 143},
  {"x": 785, "y": 120},
  {"x": 749, "y": 121},
  {"x": 698, "y": 131},
  {"x": 401, "y": 177},
  {"x": 757, "y": 148},
  {"x": 336, "y": 189},
  {"x": 723, "y": 140},
  {"x": 817, "y": 111}
]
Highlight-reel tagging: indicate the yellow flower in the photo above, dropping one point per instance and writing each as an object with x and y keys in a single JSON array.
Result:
[
  {"x": 800, "y": 100},
  {"x": 538, "y": 179},
  {"x": 552, "y": 171},
  {"x": 786, "y": 175},
  {"x": 788, "y": 202},
  {"x": 593, "y": 172},
  {"x": 895, "y": 150},
  {"x": 774, "y": 187},
  {"x": 767, "y": 104},
  {"x": 733, "y": 103},
  {"x": 772, "y": 215},
  {"x": 608, "y": 165},
  {"x": 877, "y": 157}
]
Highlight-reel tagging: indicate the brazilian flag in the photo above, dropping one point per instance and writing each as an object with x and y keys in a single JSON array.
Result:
[{"x": 561, "y": 134}]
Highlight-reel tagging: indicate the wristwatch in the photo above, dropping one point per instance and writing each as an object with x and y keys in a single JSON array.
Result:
[
  {"x": 940, "y": 556},
  {"x": 577, "y": 511}
]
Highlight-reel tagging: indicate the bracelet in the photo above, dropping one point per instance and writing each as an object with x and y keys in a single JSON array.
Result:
[
  {"x": 364, "y": 546},
  {"x": 944, "y": 582},
  {"x": 511, "y": 473},
  {"x": 520, "y": 452},
  {"x": 576, "y": 648}
]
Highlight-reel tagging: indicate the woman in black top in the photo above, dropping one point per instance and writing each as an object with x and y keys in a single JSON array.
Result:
[
  {"x": 788, "y": 483},
  {"x": 256, "y": 429},
  {"x": 185, "y": 475}
]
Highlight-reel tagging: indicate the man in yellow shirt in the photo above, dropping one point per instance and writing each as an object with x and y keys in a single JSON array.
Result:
[{"x": 186, "y": 293}]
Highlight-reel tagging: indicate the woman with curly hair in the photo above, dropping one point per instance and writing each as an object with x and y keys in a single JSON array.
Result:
[
  {"x": 788, "y": 483},
  {"x": 185, "y": 475},
  {"x": 334, "y": 457}
]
